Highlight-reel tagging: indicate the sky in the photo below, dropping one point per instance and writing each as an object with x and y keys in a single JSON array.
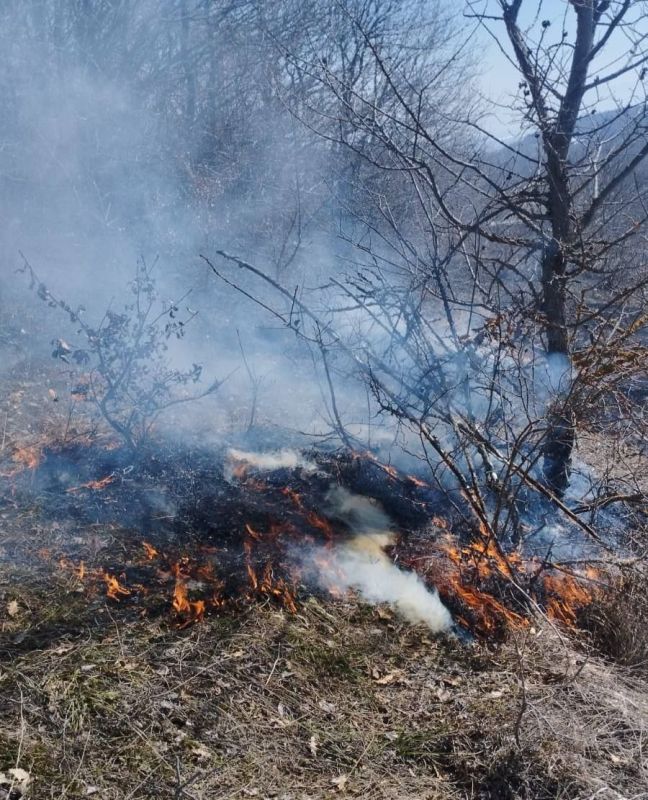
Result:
[{"x": 499, "y": 80}]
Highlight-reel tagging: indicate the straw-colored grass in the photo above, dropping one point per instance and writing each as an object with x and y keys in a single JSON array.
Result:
[{"x": 337, "y": 700}]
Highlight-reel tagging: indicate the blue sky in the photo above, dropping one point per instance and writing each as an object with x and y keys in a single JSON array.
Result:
[{"x": 499, "y": 80}]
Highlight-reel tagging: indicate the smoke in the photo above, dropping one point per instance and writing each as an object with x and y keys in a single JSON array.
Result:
[
  {"x": 266, "y": 462},
  {"x": 116, "y": 147},
  {"x": 102, "y": 164},
  {"x": 363, "y": 565}
]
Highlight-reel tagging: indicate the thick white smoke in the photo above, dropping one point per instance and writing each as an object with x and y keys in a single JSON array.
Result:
[{"x": 363, "y": 565}]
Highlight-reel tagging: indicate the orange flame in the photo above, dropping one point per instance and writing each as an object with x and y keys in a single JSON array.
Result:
[
  {"x": 566, "y": 596},
  {"x": 474, "y": 571},
  {"x": 149, "y": 551},
  {"x": 194, "y": 610},
  {"x": 114, "y": 589},
  {"x": 24, "y": 458}
]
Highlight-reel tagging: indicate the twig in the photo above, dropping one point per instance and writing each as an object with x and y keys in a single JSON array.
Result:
[
  {"x": 603, "y": 502},
  {"x": 274, "y": 667},
  {"x": 524, "y": 704},
  {"x": 4, "y": 432}
]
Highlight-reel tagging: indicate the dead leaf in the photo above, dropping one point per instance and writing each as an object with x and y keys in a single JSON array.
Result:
[
  {"x": 62, "y": 649},
  {"x": 326, "y": 706},
  {"x": 127, "y": 666},
  {"x": 340, "y": 782},
  {"x": 443, "y": 695},
  {"x": 201, "y": 751},
  {"x": 20, "y": 776},
  {"x": 395, "y": 676}
]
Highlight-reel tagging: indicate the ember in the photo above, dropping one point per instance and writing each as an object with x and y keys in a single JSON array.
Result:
[{"x": 93, "y": 485}]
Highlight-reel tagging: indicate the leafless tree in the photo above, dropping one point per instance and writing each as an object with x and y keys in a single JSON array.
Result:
[{"x": 544, "y": 224}]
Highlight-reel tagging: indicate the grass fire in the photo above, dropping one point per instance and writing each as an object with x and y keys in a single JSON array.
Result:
[
  {"x": 323, "y": 430},
  {"x": 283, "y": 527}
]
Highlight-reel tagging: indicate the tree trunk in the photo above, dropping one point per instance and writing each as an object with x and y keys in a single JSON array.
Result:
[{"x": 561, "y": 434}]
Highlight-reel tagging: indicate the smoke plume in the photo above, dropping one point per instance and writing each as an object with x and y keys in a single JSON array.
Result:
[{"x": 363, "y": 565}]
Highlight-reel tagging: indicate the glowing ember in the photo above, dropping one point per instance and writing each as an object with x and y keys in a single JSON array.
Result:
[
  {"x": 94, "y": 485},
  {"x": 251, "y": 532},
  {"x": 294, "y": 496}
]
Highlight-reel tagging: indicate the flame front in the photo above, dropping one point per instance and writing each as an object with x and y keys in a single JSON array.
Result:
[{"x": 489, "y": 591}]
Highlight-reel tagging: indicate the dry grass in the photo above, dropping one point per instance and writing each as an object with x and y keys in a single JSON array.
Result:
[
  {"x": 618, "y": 621},
  {"x": 337, "y": 699}
]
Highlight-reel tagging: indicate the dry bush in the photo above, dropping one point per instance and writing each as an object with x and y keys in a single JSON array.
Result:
[{"x": 617, "y": 622}]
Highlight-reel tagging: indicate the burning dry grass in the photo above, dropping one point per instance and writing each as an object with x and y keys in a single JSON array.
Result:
[
  {"x": 334, "y": 700},
  {"x": 218, "y": 540},
  {"x": 223, "y": 528}
]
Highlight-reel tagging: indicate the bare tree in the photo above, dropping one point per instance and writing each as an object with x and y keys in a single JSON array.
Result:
[{"x": 542, "y": 225}]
